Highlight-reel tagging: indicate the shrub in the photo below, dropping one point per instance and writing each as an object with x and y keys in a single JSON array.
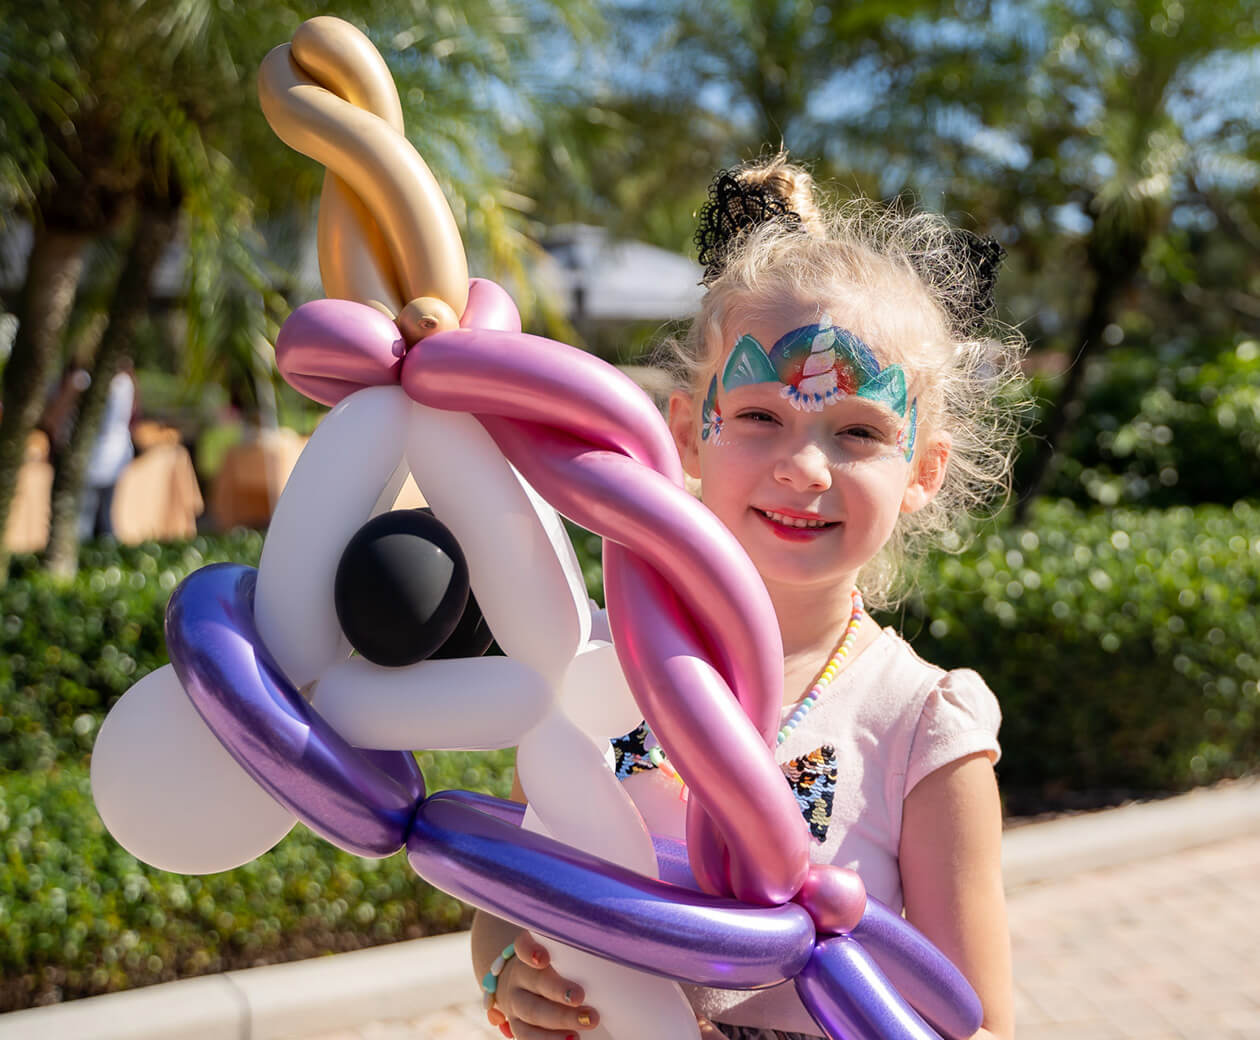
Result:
[
  {"x": 1166, "y": 430},
  {"x": 68, "y": 651},
  {"x": 1121, "y": 644},
  {"x": 81, "y": 916}
]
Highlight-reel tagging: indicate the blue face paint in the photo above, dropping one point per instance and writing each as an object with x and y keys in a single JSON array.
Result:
[
  {"x": 907, "y": 434},
  {"x": 711, "y": 414},
  {"x": 817, "y": 364}
]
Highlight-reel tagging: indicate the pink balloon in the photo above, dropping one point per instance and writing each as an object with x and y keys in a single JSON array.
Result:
[
  {"x": 834, "y": 897},
  {"x": 595, "y": 447},
  {"x": 708, "y": 738},
  {"x": 328, "y": 349},
  {"x": 540, "y": 381},
  {"x": 489, "y": 307}
]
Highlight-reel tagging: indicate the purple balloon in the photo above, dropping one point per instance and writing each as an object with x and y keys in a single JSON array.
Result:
[
  {"x": 360, "y": 801},
  {"x": 602, "y": 908},
  {"x": 921, "y": 973},
  {"x": 500, "y": 808},
  {"x": 851, "y": 999},
  {"x": 672, "y": 863}
]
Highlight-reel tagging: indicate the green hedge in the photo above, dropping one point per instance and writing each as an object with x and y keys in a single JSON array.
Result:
[
  {"x": 68, "y": 651},
  {"x": 81, "y": 916},
  {"x": 1122, "y": 645}
]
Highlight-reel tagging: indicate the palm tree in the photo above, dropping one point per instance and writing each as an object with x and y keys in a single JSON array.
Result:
[
  {"x": 1070, "y": 127},
  {"x": 685, "y": 88},
  {"x": 161, "y": 105}
]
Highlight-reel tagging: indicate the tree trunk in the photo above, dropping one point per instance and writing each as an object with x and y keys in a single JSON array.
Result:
[
  {"x": 1115, "y": 263},
  {"x": 52, "y": 276},
  {"x": 1062, "y": 413},
  {"x": 155, "y": 227}
]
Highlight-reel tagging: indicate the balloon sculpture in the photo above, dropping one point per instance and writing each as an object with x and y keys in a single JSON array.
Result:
[{"x": 429, "y": 374}]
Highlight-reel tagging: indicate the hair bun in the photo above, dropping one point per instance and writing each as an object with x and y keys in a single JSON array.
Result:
[{"x": 736, "y": 205}]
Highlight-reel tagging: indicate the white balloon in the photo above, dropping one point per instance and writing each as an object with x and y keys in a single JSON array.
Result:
[
  {"x": 596, "y": 695},
  {"x": 658, "y": 794},
  {"x": 343, "y": 476},
  {"x": 578, "y": 798},
  {"x": 631, "y": 1003},
  {"x": 575, "y": 797},
  {"x": 170, "y": 793},
  {"x": 521, "y": 565},
  {"x": 455, "y": 704}
]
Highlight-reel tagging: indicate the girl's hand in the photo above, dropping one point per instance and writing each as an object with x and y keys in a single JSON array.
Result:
[{"x": 535, "y": 1002}]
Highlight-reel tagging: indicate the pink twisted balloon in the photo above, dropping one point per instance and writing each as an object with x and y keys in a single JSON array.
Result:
[{"x": 693, "y": 624}]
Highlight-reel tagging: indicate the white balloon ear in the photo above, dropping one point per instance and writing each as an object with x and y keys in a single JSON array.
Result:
[
  {"x": 170, "y": 793},
  {"x": 350, "y": 464},
  {"x": 521, "y": 565},
  {"x": 596, "y": 695},
  {"x": 578, "y": 799}
]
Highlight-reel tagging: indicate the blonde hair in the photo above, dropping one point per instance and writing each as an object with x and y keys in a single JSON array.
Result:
[{"x": 900, "y": 282}]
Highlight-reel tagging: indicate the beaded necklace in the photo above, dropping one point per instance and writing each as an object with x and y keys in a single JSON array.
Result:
[{"x": 829, "y": 672}]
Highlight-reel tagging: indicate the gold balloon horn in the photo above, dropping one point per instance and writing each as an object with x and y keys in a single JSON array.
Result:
[{"x": 386, "y": 233}]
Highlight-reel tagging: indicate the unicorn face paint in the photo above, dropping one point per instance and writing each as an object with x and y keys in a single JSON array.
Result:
[{"x": 816, "y": 364}]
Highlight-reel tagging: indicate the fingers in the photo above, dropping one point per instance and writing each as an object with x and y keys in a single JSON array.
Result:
[
  {"x": 708, "y": 1031},
  {"x": 538, "y": 1003},
  {"x": 531, "y": 951}
]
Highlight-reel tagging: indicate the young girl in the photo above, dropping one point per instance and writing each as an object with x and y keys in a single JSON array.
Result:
[{"x": 837, "y": 406}]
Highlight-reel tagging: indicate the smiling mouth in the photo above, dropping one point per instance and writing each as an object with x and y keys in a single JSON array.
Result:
[{"x": 799, "y": 523}]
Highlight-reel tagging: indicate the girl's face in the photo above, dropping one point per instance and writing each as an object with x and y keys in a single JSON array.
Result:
[{"x": 806, "y": 447}]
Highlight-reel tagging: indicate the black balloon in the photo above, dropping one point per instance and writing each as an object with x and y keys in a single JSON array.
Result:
[
  {"x": 401, "y": 589},
  {"x": 472, "y": 636}
]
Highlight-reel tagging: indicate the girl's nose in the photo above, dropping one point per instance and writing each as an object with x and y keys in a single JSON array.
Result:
[{"x": 805, "y": 469}]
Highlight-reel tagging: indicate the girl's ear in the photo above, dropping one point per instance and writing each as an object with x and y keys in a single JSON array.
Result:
[
  {"x": 682, "y": 424},
  {"x": 929, "y": 474}
]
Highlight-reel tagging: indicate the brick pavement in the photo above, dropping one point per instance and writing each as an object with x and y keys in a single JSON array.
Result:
[{"x": 1166, "y": 949}]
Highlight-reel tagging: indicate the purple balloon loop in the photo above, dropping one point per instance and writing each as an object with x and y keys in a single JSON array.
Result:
[
  {"x": 850, "y": 998},
  {"x": 601, "y": 907},
  {"x": 500, "y": 808},
  {"x": 921, "y": 973},
  {"x": 361, "y": 801}
]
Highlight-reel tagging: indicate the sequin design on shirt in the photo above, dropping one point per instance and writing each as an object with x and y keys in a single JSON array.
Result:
[
  {"x": 633, "y": 753},
  {"x": 811, "y": 777}
]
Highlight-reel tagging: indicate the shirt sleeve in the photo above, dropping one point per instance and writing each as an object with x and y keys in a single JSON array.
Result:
[{"x": 960, "y": 717}]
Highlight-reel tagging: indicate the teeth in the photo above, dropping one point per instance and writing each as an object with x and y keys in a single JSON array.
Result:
[{"x": 792, "y": 521}]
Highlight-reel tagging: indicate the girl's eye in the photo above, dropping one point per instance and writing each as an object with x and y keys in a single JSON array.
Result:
[
  {"x": 865, "y": 433},
  {"x": 756, "y": 415}
]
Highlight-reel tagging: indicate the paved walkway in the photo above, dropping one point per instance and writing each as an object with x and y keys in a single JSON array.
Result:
[
  {"x": 1163, "y": 949},
  {"x": 1168, "y": 948}
]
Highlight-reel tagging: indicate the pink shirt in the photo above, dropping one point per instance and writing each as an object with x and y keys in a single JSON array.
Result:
[{"x": 891, "y": 719}]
